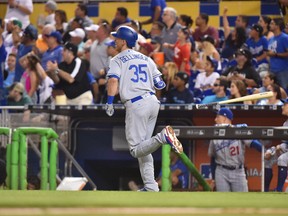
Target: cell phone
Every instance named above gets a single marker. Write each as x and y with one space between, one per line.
235 73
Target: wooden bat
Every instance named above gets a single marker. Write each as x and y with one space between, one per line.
240 99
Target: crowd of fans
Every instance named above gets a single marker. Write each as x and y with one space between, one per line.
205 64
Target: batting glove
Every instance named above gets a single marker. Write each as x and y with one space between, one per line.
109 109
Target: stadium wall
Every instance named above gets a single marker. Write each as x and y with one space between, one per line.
140 10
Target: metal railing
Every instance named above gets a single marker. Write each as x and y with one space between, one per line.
12 118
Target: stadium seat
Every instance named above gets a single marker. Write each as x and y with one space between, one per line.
197 100
198 93
219 68
224 63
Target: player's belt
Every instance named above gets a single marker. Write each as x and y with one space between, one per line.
140 97
230 167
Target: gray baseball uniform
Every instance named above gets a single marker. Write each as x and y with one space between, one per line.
136 73
283 158
229 157
274 157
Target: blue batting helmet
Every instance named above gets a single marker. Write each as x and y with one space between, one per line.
126 33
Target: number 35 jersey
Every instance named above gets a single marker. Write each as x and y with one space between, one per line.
135 72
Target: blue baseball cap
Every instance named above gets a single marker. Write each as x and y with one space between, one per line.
110 43
56 35
31 31
225 112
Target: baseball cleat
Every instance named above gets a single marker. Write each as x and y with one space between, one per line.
172 140
142 190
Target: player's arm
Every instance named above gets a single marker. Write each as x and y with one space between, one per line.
112 87
213 167
211 154
256 145
269 153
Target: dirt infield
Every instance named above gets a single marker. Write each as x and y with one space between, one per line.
142 211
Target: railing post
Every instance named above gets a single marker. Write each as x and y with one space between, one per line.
53 165
7 131
14 160
22 161
166 173
44 163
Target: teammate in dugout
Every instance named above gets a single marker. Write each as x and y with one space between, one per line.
229 157
135 76
279 155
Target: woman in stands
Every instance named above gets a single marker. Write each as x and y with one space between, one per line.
182 49
233 40
35 80
238 89
187 21
275 99
264 21
169 71
268 80
61 21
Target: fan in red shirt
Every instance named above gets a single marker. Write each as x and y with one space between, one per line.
182 50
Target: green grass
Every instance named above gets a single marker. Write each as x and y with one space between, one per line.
226 202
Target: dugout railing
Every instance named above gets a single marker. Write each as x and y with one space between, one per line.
37 131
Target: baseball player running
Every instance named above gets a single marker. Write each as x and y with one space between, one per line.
277 154
136 77
229 157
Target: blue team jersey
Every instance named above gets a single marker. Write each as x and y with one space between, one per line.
257 48
184 177
54 55
278 44
176 97
155 3
19 70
